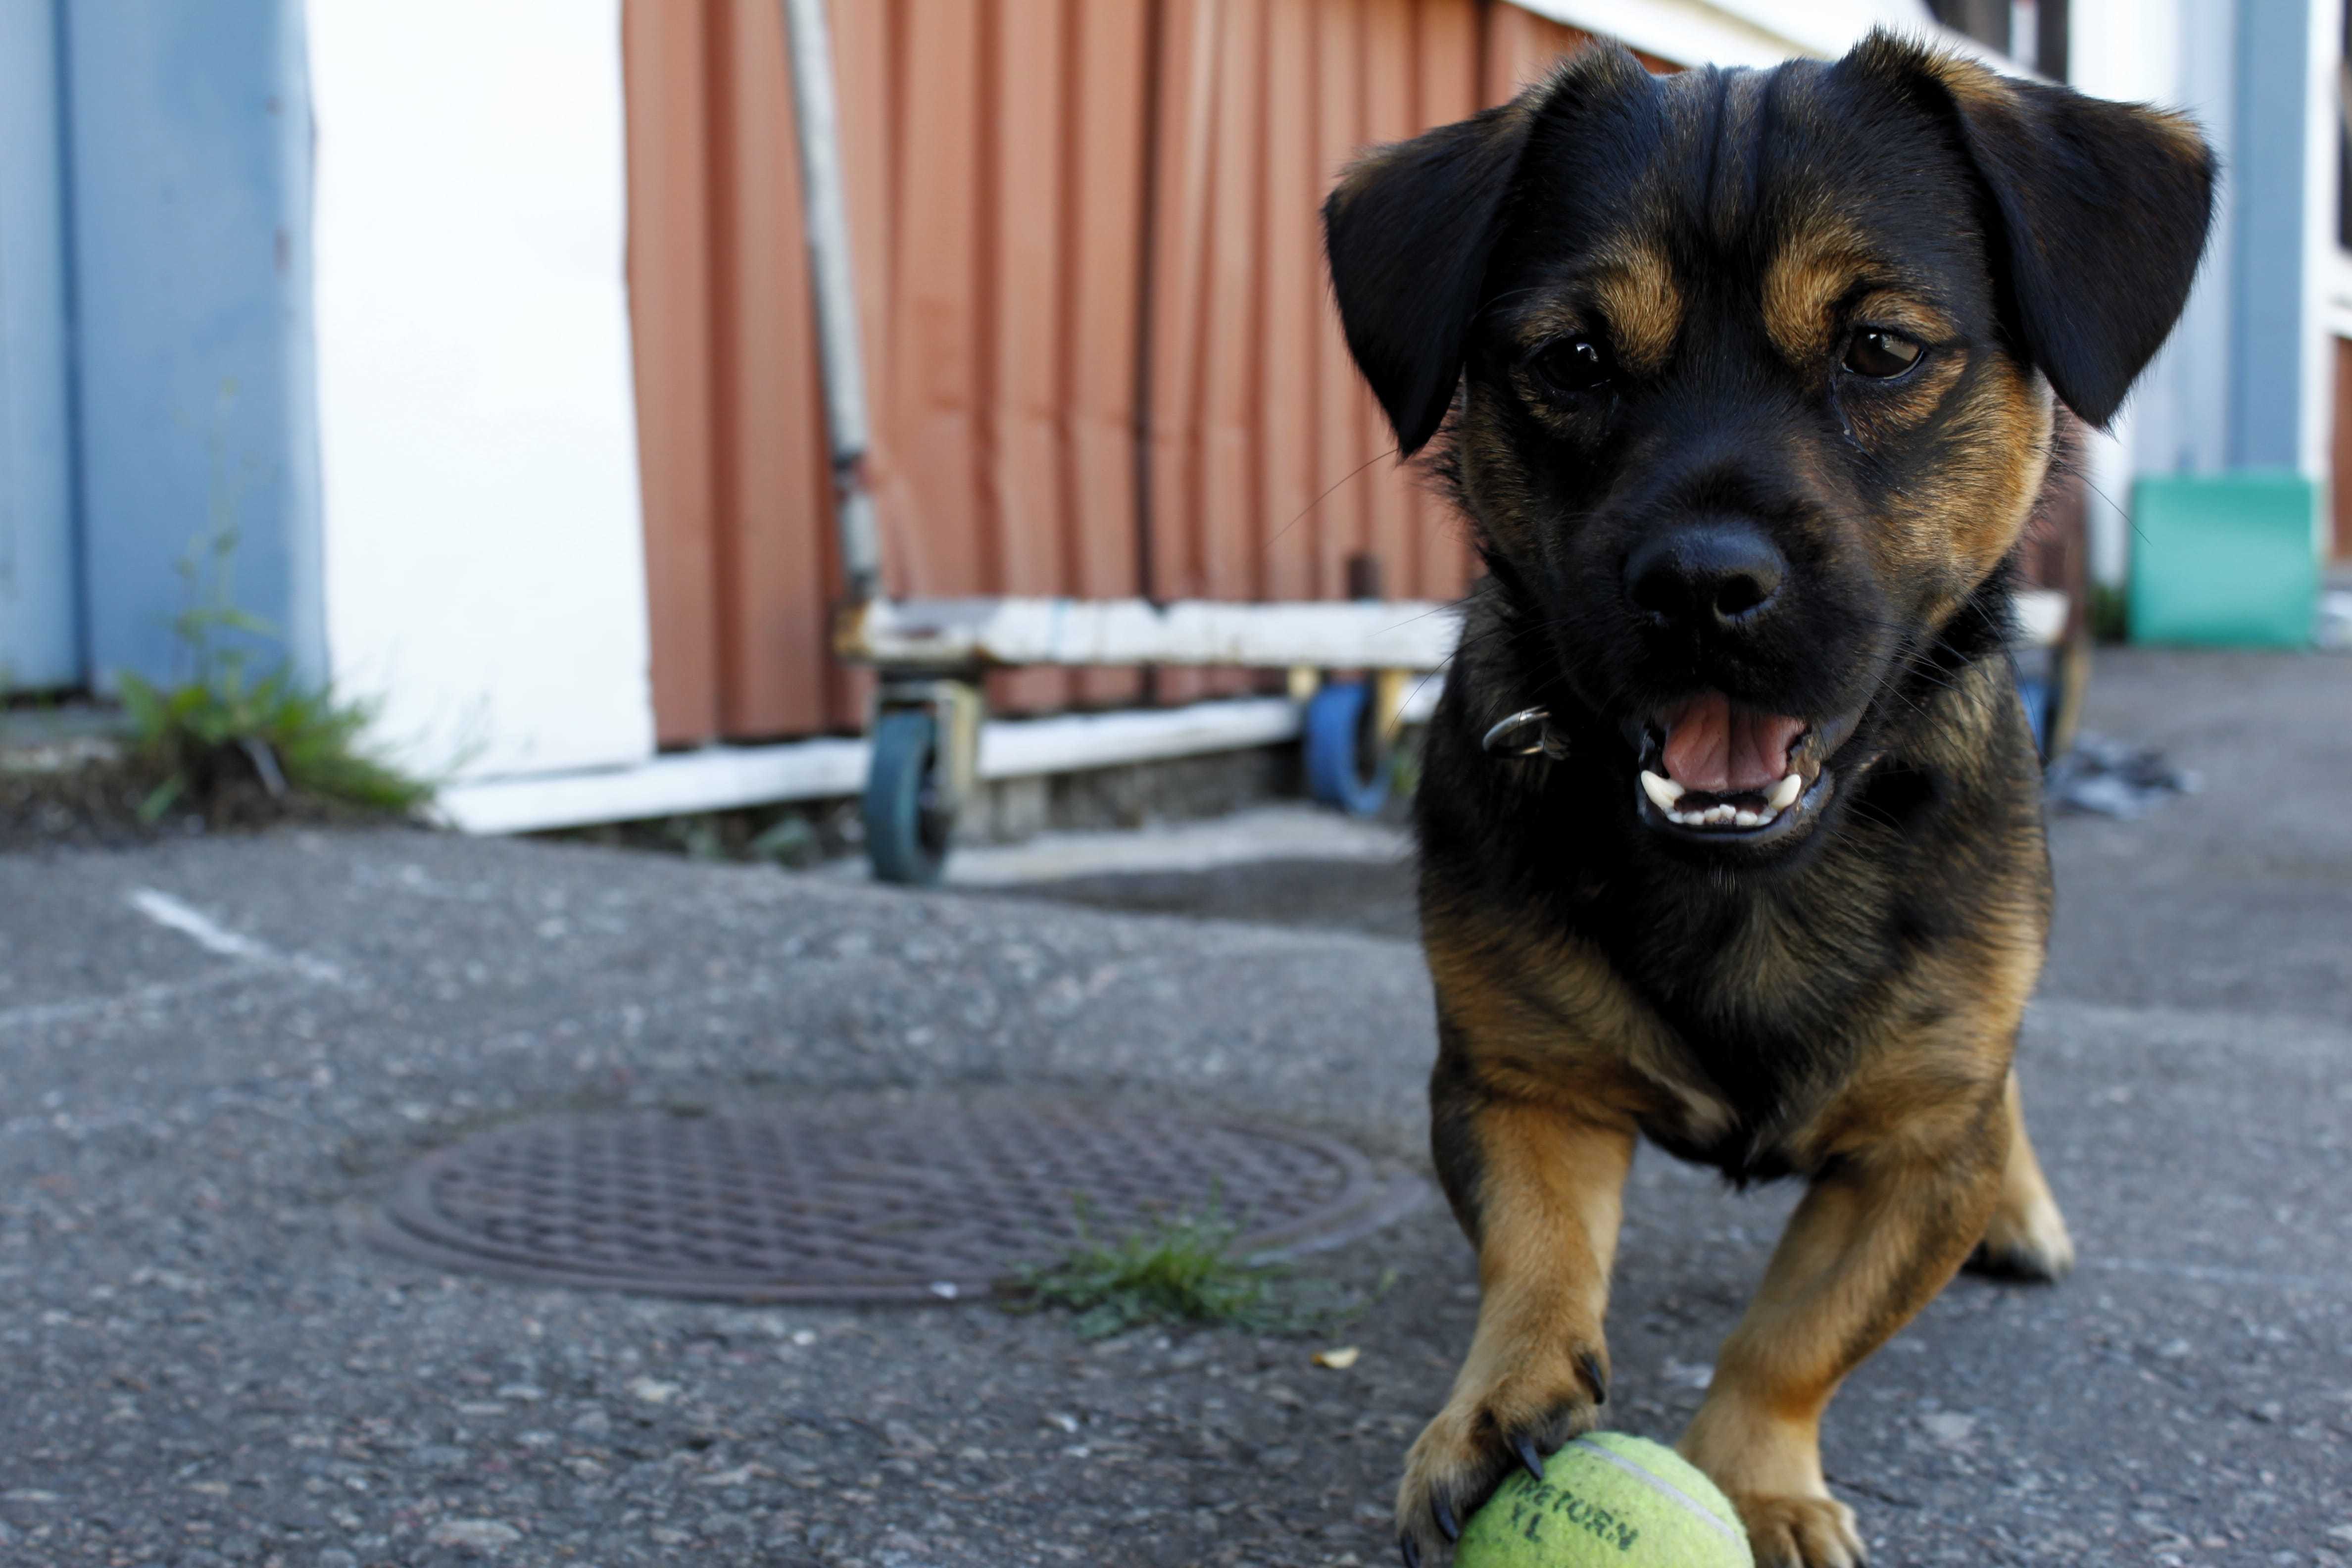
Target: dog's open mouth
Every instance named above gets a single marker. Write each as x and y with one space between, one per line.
1716 768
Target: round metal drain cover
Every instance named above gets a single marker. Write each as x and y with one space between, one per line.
868 1199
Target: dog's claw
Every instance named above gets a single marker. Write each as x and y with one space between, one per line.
1595 1378
1526 1447
1411 1549
1445 1520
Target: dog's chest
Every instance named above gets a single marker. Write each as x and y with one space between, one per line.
1761 1012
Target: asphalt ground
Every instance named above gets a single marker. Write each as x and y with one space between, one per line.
217 1054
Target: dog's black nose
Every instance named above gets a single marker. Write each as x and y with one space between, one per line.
1699 576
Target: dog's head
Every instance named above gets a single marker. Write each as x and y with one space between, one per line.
1750 376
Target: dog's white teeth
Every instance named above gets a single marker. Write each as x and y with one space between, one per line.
1785 792
1668 796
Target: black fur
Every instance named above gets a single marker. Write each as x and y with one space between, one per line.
2082 192
2057 235
1557 844
1407 251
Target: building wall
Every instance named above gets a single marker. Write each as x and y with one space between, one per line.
2248 380
2324 260
1097 337
2264 233
2327 267
40 593
188 184
485 576
2340 451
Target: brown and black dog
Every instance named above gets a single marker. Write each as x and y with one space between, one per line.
1746 384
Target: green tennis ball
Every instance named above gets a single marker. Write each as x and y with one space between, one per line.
1607 1497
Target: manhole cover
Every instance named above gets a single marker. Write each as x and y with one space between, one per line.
863 1200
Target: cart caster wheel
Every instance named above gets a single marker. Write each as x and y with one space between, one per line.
908 819
1346 765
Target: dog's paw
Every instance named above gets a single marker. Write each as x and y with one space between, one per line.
2029 1243
1537 1407
1801 1532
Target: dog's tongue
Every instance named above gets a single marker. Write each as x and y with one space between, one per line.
1722 749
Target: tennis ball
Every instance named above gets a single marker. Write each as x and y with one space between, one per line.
1607 1497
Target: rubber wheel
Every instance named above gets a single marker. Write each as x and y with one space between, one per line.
1346 765
908 824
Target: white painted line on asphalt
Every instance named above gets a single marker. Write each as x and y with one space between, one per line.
166 911
34 1015
2209 1274
212 937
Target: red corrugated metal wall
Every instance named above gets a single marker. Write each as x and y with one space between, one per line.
1100 351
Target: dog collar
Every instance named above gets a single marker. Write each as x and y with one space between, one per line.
1526 733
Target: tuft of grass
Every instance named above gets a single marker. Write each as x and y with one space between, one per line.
234 746
1178 1270
207 735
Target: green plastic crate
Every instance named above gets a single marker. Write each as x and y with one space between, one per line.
2225 560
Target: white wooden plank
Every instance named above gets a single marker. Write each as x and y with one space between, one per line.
946 633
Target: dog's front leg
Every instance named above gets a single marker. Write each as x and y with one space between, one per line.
2027 1239
1538 1182
1884 1227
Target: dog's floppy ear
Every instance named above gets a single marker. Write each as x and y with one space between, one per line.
1407 233
2102 211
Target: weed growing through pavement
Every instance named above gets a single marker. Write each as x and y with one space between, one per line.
287 739
1178 1270
225 728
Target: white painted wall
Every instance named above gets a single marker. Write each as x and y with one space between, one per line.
484 559
1739 32
2134 50
2323 258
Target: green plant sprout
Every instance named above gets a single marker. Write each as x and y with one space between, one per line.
292 738
1174 1269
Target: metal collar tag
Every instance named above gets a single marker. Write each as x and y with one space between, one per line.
1526 733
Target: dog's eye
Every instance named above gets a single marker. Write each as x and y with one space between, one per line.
1881 354
1569 365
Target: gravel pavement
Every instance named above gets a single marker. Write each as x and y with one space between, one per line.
219 1054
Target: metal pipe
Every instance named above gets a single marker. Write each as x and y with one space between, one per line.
834 286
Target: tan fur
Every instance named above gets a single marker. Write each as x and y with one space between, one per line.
1626 293
1805 283
1488 462
1907 1122
2027 1235
1918 1153
1953 531
1635 286
1540 1012
1549 1214
1870 1244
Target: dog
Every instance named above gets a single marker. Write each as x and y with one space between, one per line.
1730 819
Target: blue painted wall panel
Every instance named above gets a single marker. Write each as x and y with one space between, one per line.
40 638
2266 238
190 138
